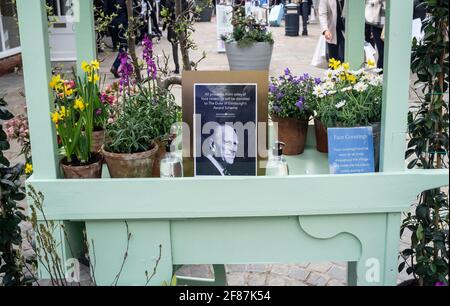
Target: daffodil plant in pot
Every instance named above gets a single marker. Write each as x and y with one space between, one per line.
289 99
143 116
347 98
100 108
74 121
250 45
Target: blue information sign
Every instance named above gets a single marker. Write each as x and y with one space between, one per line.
350 150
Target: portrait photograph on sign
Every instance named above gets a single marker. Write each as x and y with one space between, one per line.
227 143
223 110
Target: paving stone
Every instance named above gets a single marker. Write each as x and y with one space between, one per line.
236 268
337 273
276 280
257 279
280 269
316 279
237 279
335 282
321 267
298 273
202 271
294 282
258 268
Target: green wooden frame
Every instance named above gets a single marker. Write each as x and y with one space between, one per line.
352 218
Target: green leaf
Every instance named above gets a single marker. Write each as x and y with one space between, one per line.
419 232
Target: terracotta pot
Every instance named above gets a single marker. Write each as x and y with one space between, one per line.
321 136
158 156
293 133
130 165
98 139
90 171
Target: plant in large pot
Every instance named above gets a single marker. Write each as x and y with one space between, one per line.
74 121
250 45
204 10
348 98
289 98
142 118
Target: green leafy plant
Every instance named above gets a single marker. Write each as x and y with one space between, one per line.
11 214
348 98
142 118
144 112
290 96
247 30
426 259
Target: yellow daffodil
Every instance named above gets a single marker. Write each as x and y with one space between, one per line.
95 65
28 168
79 104
93 78
346 66
334 64
68 91
63 113
351 78
85 66
56 81
371 63
55 117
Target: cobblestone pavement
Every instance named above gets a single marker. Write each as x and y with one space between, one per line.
293 52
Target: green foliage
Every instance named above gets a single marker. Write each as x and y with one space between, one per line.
246 30
142 118
11 215
427 257
290 96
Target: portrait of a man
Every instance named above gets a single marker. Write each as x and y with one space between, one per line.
223 146
225 140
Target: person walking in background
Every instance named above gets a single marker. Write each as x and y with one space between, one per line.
305 9
315 4
375 19
118 28
332 23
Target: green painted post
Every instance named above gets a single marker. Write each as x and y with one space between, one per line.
396 84
37 72
85 32
354 33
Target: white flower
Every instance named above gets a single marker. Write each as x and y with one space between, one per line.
328 86
361 86
345 89
318 91
341 104
331 92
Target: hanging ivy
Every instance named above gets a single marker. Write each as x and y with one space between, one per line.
427 257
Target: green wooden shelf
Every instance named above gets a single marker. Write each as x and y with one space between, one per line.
307 216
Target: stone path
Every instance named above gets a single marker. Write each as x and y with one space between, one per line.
292 52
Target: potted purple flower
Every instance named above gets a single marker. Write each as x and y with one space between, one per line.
289 98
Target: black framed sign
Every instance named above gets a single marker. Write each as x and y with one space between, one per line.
225 113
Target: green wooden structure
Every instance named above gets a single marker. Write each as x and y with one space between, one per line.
308 216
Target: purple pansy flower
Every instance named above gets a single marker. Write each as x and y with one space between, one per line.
98 112
280 95
287 71
317 81
300 103
272 88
